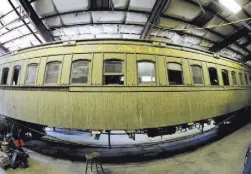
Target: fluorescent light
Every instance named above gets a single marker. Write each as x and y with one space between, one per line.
231 5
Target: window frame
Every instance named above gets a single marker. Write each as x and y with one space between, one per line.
203 80
235 78
246 78
241 79
26 74
182 74
123 73
225 70
89 72
1 80
155 72
213 67
59 73
19 74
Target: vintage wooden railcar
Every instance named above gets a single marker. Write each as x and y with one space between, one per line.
120 84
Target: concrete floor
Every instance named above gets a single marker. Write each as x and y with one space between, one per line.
222 157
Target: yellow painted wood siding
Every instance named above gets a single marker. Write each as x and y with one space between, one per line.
129 106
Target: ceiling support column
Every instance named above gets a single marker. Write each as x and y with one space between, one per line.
153 19
45 33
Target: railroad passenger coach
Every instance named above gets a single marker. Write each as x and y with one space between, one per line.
120 84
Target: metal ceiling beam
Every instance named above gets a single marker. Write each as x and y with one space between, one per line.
235 36
246 58
214 32
25 23
45 33
214 6
153 19
230 39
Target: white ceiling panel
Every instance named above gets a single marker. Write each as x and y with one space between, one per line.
14 25
161 39
202 2
183 9
23 30
120 4
108 35
3 30
109 28
196 32
9 18
84 29
96 29
63 38
9 44
225 13
248 8
130 36
242 2
141 5
131 29
242 40
200 47
10 35
71 31
5 7
205 43
76 18
44 7
83 36
233 18
71 5
212 37
53 21
108 17
193 40
91 29
214 21
136 18
58 32
224 30
170 23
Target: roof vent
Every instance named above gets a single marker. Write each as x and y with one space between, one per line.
69 43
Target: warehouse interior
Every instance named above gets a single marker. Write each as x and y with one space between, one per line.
218 31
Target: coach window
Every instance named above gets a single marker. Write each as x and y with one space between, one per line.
234 78
174 73
80 71
16 72
52 72
31 74
213 76
246 78
113 72
5 73
225 77
146 72
241 78
197 74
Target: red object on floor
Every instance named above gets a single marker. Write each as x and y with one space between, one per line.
19 143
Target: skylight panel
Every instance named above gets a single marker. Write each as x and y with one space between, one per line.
231 5
5 7
9 18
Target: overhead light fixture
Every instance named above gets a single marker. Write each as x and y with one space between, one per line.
231 5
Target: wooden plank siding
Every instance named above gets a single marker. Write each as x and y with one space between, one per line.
129 106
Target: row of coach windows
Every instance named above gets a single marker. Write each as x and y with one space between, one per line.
113 73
